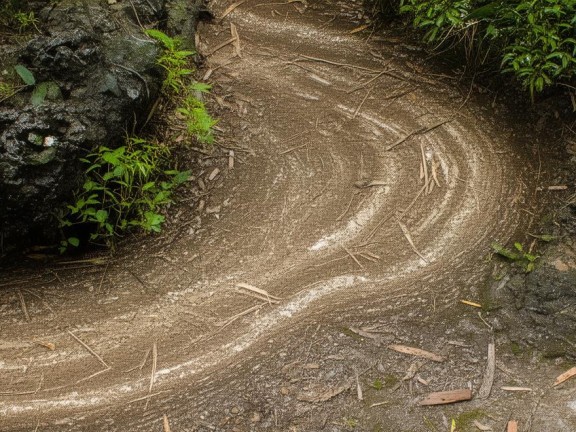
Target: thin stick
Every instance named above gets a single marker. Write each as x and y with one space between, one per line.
148 396
257 290
419 131
231 8
434 171
353 257
321 60
345 211
361 103
90 350
409 238
367 82
407 209
486 386
241 314
153 372
222 45
292 149
23 304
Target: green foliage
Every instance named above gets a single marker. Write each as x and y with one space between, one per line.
26 20
25 74
377 384
533 39
125 188
198 121
525 259
173 60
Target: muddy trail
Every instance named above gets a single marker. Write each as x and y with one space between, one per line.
364 197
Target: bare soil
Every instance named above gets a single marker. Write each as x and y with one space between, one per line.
352 252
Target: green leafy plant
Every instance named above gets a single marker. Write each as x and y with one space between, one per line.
525 259
377 384
532 39
125 188
26 20
174 60
187 92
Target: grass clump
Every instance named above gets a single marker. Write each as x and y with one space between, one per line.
190 107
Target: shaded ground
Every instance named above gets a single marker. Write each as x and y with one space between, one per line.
318 212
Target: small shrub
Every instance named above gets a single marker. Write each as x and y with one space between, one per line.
124 188
532 39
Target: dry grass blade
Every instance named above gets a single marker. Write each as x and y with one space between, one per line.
240 315
361 103
153 372
23 304
262 294
447 397
416 352
565 376
222 45
236 37
231 8
488 380
409 239
470 303
353 257
518 389
90 350
359 389
321 60
425 167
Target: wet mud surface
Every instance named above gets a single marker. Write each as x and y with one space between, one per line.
359 212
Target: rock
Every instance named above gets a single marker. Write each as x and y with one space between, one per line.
95 73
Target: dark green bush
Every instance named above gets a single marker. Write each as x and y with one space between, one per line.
533 39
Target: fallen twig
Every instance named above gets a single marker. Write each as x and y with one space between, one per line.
153 372
23 304
409 238
231 8
447 397
261 294
417 352
419 131
486 386
90 350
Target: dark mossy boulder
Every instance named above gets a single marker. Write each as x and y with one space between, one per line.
95 76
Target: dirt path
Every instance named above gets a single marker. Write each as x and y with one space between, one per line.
354 249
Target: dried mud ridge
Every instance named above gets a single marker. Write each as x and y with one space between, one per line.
363 193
